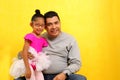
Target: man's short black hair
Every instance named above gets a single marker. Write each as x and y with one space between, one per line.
50 14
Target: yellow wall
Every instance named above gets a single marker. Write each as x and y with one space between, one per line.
94 23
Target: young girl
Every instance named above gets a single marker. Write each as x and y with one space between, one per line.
33 44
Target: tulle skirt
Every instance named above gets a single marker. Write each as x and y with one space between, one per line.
41 62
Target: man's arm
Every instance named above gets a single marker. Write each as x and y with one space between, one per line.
74 61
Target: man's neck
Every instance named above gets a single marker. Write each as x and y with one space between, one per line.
53 37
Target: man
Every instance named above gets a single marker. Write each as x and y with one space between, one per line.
62 50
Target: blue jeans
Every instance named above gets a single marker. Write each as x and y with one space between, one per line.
51 76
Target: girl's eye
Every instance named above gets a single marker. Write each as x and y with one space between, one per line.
37 25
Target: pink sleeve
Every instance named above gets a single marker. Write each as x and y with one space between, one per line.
29 37
45 43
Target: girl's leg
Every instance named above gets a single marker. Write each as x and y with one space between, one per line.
39 75
32 74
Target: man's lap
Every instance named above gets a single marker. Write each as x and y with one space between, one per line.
51 76
20 78
70 77
76 77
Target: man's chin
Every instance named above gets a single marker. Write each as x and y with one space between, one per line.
54 35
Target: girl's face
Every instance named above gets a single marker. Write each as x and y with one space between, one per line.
38 25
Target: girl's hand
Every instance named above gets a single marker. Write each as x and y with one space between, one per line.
28 73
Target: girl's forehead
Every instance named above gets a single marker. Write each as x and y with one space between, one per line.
39 18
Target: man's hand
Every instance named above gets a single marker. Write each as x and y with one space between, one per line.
60 76
30 56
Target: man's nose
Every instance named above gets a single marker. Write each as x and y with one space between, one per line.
53 26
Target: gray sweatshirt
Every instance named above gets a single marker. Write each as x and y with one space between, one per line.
64 54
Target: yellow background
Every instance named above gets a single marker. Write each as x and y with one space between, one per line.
94 23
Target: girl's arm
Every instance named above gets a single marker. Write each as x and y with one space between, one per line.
25 58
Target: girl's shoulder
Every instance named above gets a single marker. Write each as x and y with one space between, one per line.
30 36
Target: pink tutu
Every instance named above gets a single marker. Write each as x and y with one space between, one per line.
41 62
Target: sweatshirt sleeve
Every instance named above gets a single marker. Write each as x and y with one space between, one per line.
74 61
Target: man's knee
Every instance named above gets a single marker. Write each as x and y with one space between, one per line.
20 78
76 77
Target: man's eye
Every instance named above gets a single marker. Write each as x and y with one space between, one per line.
56 22
49 24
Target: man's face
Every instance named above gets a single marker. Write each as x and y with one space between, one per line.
53 26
